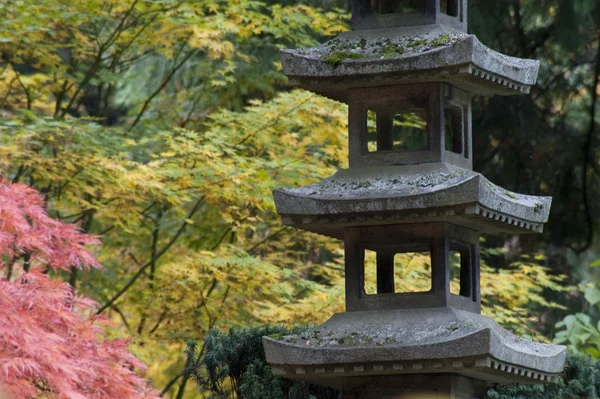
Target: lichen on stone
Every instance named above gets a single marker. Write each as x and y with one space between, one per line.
339 338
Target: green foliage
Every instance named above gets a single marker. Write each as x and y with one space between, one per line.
581 380
579 334
581 331
234 366
515 295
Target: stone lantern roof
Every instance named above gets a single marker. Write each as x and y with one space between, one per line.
407 54
432 192
405 342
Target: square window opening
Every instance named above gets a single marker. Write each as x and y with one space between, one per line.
397 131
461 268
413 272
396 6
449 7
454 129
397 273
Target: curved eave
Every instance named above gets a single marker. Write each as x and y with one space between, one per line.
464 62
410 194
439 340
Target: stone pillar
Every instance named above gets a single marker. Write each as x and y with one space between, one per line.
385 273
385 131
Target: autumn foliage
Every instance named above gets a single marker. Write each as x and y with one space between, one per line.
49 346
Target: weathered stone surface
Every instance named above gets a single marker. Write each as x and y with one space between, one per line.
429 53
410 193
436 340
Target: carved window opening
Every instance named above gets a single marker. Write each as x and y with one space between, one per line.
460 260
454 129
450 7
397 273
397 131
396 6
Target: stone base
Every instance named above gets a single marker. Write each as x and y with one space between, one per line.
418 386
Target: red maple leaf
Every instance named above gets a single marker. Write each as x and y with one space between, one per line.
50 346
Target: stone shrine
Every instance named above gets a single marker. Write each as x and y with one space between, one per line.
408 71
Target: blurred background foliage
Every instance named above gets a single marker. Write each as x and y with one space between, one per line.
162 127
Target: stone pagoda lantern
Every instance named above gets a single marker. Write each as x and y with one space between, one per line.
408 71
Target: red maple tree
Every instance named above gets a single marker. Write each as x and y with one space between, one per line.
50 345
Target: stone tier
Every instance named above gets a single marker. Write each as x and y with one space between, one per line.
410 342
431 53
434 192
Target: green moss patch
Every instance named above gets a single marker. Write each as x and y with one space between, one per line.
416 43
392 49
340 56
441 41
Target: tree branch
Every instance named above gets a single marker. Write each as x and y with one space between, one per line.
276 121
161 87
170 384
25 89
98 59
161 318
8 92
149 263
281 230
153 252
588 154
221 239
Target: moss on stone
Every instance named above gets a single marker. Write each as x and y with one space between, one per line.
355 339
441 41
340 56
416 43
392 49
339 50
